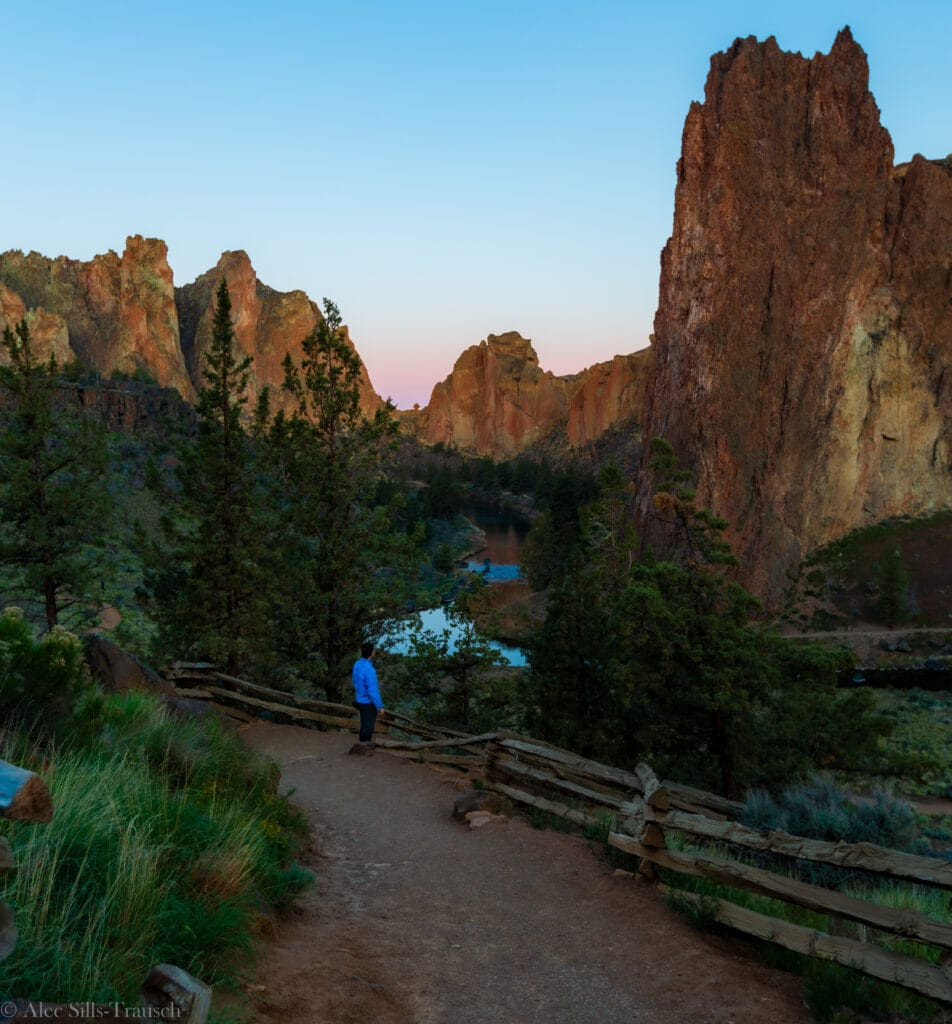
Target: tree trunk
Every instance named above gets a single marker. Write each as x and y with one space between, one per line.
721 744
49 598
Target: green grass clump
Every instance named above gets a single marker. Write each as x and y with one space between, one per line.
168 844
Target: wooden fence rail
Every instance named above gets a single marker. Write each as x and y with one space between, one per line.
643 812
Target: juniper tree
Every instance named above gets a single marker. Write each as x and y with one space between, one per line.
343 563
209 584
660 659
55 508
892 579
452 670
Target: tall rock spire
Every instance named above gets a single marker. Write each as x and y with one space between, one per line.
804 323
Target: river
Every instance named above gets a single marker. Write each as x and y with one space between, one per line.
499 561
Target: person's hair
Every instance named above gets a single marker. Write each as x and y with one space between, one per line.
366 649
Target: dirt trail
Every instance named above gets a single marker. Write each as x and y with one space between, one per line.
415 919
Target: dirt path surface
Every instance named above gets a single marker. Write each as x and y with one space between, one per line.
416 919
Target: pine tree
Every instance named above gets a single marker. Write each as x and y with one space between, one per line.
892 578
209 586
55 508
659 660
344 565
451 669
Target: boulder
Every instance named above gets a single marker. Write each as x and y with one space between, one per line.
118 671
474 800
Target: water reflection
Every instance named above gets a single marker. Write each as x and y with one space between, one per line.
505 535
497 562
435 619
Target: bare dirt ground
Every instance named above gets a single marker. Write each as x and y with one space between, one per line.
868 641
416 919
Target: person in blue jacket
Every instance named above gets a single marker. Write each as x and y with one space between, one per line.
366 692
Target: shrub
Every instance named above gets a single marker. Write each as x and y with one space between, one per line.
818 809
43 677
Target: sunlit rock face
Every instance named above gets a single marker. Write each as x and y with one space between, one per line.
804 326
268 325
49 335
606 394
119 312
124 313
496 401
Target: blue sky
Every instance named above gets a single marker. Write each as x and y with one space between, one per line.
442 171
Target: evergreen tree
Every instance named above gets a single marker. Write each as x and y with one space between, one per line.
556 530
452 668
344 564
209 587
659 660
567 689
54 504
569 685
892 578
693 536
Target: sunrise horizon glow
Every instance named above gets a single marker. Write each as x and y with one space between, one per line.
442 173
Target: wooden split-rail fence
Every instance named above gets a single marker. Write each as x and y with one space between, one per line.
168 993
641 814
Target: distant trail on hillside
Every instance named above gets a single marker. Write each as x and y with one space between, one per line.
416 919
822 633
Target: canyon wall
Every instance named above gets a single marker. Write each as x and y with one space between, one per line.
124 313
268 325
119 311
607 394
804 325
497 401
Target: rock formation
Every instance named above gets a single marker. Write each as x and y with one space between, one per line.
607 394
124 314
119 312
496 401
804 326
49 335
268 325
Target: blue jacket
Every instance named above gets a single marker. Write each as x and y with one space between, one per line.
365 683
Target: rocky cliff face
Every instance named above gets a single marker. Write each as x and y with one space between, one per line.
607 394
124 313
496 401
804 327
49 335
119 312
268 325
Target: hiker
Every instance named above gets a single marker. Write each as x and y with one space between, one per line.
366 692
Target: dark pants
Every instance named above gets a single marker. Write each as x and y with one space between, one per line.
368 719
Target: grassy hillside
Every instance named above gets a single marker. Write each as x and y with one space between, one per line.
842 583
